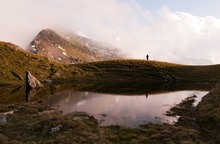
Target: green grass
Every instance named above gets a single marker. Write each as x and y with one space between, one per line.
208 114
142 70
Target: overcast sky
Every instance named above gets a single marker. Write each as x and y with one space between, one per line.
186 32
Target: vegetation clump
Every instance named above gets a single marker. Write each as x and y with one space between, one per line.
32 122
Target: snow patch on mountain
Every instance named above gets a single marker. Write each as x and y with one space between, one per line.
68 37
51 55
64 53
34 49
61 48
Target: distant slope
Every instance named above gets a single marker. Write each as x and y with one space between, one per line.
143 70
70 48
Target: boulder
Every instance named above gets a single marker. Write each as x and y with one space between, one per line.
30 93
3 119
56 129
32 82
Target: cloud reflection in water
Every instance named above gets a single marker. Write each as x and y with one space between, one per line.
122 109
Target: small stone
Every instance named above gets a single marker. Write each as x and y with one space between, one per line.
3 119
56 129
80 117
49 81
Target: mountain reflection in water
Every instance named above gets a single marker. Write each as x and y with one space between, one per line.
127 110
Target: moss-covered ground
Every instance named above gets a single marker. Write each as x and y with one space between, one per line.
33 122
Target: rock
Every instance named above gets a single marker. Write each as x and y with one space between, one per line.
77 118
80 117
56 129
58 73
30 93
3 119
8 113
32 82
32 86
49 81
55 74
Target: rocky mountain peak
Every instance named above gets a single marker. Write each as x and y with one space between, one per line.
48 35
70 48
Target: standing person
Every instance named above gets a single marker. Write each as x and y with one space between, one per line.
147 57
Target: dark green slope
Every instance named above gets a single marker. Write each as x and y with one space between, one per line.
142 70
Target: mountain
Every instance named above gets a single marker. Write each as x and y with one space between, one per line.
71 48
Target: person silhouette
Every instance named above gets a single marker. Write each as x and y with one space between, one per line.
147 57
146 95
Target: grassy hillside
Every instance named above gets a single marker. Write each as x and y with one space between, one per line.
14 62
142 70
209 114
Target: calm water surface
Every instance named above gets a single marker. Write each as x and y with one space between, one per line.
127 110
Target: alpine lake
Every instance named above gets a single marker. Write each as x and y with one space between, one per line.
129 105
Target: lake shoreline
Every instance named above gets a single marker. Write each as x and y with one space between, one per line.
40 119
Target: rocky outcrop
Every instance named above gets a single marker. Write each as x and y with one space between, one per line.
32 82
32 85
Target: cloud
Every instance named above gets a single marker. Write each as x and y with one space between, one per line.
167 36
